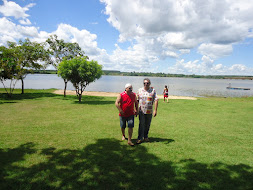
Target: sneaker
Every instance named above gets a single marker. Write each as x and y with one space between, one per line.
146 140
139 142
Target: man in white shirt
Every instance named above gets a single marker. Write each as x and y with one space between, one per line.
147 97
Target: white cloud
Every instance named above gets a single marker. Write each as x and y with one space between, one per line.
157 30
10 8
215 50
183 24
134 58
25 22
207 67
84 38
189 67
238 68
207 62
185 51
11 32
8 31
27 31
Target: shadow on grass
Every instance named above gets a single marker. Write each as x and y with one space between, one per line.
107 164
91 100
166 141
95 102
35 95
5 102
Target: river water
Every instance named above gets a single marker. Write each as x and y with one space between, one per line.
177 86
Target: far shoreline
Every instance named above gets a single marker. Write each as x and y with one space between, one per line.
149 74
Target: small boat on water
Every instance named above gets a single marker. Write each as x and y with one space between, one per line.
236 88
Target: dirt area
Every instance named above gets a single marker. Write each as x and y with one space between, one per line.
112 94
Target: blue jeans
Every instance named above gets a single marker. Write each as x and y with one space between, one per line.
129 120
144 125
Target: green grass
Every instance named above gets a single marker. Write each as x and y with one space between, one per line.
51 142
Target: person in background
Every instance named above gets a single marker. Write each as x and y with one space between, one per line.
127 105
147 97
165 93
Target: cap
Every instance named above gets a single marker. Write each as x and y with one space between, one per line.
127 85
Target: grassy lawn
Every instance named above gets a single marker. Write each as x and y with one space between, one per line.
51 142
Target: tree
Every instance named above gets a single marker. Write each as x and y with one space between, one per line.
29 56
8 68
60 50
17 60
80 72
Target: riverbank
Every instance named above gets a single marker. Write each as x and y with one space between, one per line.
112 94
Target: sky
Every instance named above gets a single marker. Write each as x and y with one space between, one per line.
203 37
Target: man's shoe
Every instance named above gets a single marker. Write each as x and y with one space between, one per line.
139 142
146 140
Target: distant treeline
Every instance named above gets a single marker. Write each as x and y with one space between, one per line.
149 74
44 72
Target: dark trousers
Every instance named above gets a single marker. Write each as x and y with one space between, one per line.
144 125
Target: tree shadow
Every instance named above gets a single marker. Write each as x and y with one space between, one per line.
6 102
8 157
166 141
36 95
107 164
88 100
92 100
98 102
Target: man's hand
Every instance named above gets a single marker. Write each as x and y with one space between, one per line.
154 113
121 112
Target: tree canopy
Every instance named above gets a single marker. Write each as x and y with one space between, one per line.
80 72
17 60
8 68
61 50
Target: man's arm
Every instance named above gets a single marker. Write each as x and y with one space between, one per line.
117 104
155 110
136 106
156 104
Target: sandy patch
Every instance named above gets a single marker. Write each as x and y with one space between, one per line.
112 94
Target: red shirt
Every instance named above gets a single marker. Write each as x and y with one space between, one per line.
127 104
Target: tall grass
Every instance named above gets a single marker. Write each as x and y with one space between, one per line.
51 142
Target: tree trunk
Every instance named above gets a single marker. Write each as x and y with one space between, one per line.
65 87
22 81
80 98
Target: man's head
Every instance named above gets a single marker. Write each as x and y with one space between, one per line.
146 83
128 88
